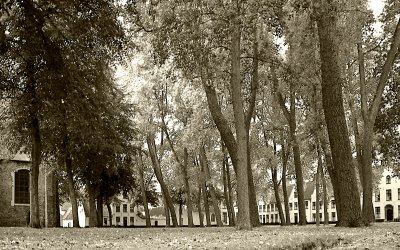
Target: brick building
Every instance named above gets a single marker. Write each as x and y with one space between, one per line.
15 196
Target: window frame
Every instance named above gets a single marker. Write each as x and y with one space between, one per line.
13 203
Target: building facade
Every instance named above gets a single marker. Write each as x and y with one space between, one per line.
15 194
386 203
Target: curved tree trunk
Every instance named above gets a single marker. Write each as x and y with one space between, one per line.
277 197
332 99
143 189
110 216
159 176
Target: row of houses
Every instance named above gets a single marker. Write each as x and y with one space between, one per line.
15 203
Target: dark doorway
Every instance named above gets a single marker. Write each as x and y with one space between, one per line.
125 221
296 219
389 212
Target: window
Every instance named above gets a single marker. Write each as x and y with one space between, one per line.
260 208
268 208
21 187
313 205
131 221
290 206
313 216
276 218
272 207
377 195
295 205
105 221
333 204
260 218
306 204
125 208
320 204
388 179
267 218
388 194
295 194
225 217
398 196
377 210
118 219
117 208
264 207
320 216
212 217
333 216
132 208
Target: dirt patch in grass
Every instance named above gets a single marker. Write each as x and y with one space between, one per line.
378 236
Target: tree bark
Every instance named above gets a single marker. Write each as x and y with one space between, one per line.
187 188
110 216
324 189
215 203
201 218
332 100
71 191
243 200
317 191
92 205
157 170
99 210
285 158
232 219
205 194
34 173
143 189
277 197
167 214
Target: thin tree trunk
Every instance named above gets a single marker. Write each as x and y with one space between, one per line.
187 188
324 189
143 189
226 194
157 170
201 218
167 214
277 197
180 213
71 191
332 99
215 203
110 216
317 192
205 196
232 221
57 204
285 158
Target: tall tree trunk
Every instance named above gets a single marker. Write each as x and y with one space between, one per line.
167 213
110 215
187 188
215 203
290 116
277 197
226 193
201 218
324 189
99 209
205 196
232 219
143 189
285 158
34 173
157 170
317 192
71 191
244 218
332 100
92 205
180 213
57 204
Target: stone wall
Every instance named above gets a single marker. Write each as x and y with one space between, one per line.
17 215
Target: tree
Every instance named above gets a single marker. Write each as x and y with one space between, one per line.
332 99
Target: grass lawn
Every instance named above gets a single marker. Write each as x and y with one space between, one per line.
378 236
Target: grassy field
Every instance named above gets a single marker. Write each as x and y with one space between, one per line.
378 236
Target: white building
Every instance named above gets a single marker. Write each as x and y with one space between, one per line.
386 203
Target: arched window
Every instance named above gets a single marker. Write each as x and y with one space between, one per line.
21 187
388 179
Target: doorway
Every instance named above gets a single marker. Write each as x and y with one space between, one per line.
389 213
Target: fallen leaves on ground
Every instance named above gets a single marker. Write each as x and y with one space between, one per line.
377 236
